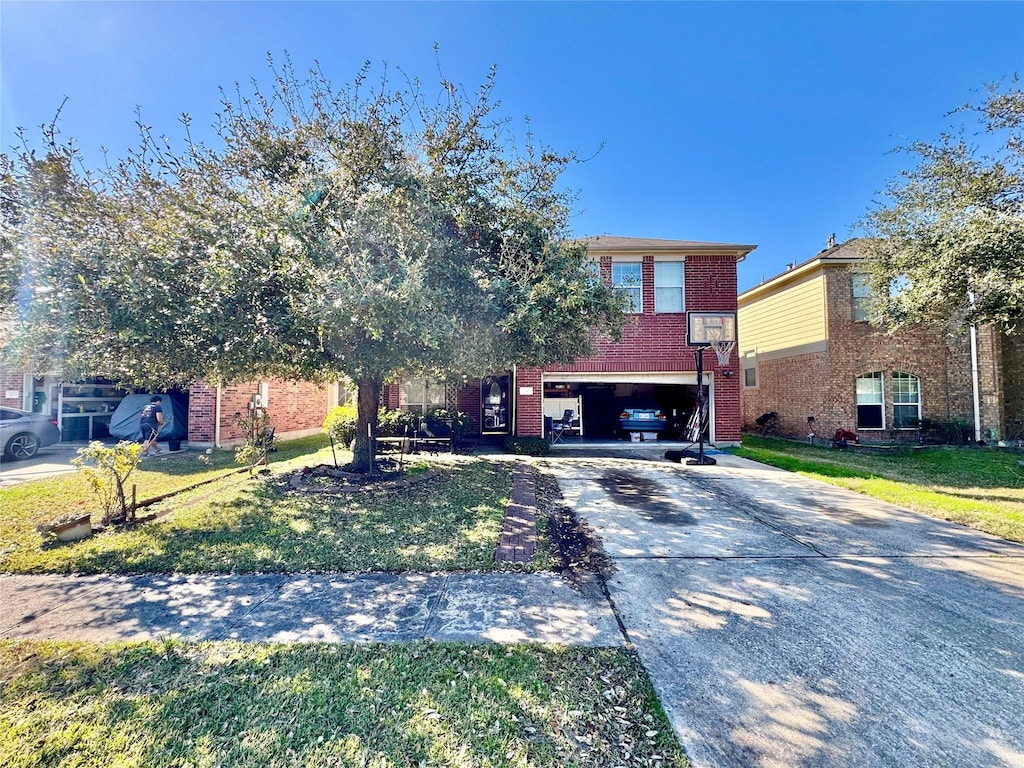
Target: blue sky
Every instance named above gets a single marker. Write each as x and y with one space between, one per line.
763 123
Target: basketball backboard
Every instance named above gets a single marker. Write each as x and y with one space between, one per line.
704 327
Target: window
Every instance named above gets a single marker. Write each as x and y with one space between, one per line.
906 400
861 297
750 377
626 277
668 286
869 402
421 395
345 393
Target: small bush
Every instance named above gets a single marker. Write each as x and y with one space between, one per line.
527 446
394 423
107 470
340 425
259 438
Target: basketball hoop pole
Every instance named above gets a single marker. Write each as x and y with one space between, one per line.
701 458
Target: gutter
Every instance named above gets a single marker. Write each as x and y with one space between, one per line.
216 420
975 383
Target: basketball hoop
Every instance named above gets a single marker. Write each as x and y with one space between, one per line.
723 350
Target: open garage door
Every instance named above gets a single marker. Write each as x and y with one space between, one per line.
657 405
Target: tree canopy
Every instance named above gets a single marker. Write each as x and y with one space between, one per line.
366 232
950 231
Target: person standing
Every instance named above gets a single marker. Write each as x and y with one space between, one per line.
150 420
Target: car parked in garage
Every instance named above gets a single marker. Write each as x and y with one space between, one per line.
643 420
23 433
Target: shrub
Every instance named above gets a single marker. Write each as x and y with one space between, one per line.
107 470
393 423
259 438
527 446
340 424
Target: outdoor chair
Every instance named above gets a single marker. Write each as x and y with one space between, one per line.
559 428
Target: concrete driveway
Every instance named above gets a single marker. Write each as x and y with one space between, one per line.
789 623
51 460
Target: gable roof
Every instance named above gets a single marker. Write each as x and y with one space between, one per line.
849 252
610 244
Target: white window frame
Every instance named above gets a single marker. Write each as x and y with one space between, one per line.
665 287
421 395
904 396
632 287
861 288
752 369
871 398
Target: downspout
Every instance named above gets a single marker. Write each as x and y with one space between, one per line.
513 398
216 420
975 385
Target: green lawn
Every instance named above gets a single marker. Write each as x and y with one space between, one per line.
981 488
451 521
385 706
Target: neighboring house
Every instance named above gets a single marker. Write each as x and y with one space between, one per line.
807 350
650 368
84 408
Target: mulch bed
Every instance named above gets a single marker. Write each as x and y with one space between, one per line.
578 550
324 478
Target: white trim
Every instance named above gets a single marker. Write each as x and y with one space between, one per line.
216 420
686 378
975 381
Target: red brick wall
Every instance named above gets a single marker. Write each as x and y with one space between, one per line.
295 409
1011 351
657 342
529 417
13 381
796 387
202 409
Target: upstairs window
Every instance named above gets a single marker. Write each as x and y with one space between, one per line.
870 402
627 277
861 297
906 400
668 286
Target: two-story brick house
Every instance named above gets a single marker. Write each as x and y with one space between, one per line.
807 350
651 367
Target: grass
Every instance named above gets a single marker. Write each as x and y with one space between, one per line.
49 498
422 704
980 488
451 521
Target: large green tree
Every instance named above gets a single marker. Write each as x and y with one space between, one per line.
949 233
367 232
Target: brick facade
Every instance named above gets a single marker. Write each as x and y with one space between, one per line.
822 383
12 382
295 409
652 342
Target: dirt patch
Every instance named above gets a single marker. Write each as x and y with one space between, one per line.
576 549
323 478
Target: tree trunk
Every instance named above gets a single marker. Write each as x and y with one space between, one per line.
367 402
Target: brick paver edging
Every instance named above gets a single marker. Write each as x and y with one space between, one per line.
519 532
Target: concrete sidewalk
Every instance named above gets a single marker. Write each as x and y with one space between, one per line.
338 608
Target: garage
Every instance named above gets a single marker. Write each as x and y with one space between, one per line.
592 404
84 409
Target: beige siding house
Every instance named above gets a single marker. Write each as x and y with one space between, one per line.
807 351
